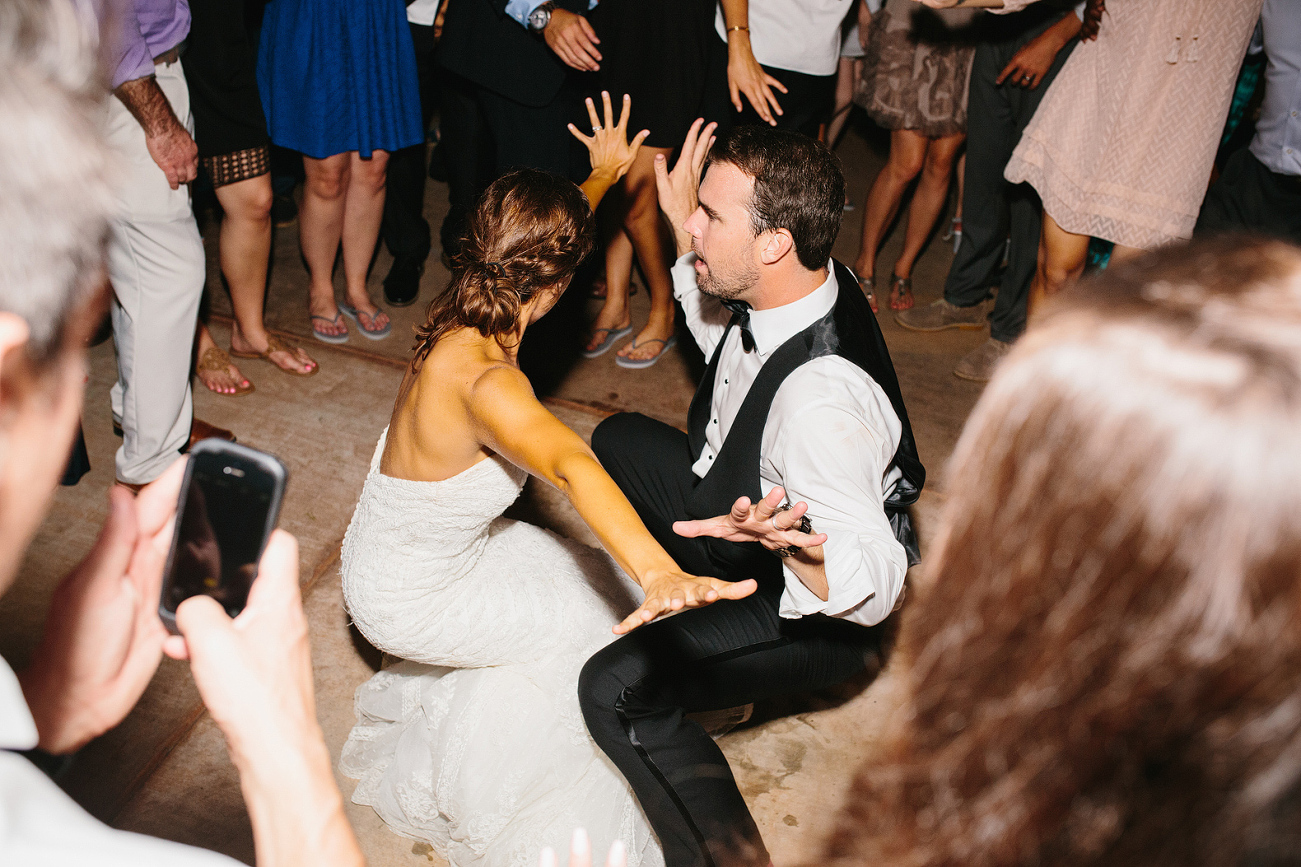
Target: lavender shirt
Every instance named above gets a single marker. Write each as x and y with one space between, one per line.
141 30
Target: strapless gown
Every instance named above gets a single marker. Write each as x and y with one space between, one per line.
474 741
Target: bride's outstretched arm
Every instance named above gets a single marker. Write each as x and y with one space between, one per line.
608 147
509 420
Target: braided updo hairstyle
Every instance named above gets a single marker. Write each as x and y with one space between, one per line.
528 232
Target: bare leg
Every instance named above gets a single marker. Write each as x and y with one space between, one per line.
1121 253
320 227
226 380
1061 261
928 201
907 155
362 214
614 314
245 251
650 239
846 75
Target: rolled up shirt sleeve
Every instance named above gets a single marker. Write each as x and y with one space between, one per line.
127 51
833 437
706 317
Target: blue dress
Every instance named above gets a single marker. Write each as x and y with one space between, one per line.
339 75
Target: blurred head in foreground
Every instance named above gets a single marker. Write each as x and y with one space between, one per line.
1106 665
55 202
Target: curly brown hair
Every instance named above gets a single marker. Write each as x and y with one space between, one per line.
528 232
1106 668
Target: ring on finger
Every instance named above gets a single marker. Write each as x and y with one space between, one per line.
596 127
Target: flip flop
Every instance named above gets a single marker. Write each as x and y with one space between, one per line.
611 335
275 344
643 363
325 337
214 360
372 332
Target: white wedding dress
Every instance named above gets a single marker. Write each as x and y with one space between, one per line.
474 742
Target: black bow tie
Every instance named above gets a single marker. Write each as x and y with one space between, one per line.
741 312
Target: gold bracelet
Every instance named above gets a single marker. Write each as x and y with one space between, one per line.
738 27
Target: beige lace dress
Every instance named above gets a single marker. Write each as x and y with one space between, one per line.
1122 145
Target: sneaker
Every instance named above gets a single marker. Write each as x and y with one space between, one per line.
978 365
941 315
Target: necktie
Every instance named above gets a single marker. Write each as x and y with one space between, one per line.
742 311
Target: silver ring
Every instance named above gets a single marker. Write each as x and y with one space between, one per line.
597 128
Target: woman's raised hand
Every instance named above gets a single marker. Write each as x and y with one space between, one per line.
669 591
608 147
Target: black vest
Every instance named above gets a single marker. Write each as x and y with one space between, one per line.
849 331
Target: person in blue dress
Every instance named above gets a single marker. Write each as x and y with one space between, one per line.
338 84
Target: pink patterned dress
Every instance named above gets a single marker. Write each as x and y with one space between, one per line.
1122 145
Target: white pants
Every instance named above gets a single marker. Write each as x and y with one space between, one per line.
156 265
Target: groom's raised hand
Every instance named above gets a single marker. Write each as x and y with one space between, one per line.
678 188
670 591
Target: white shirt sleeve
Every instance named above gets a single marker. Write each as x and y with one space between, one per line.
706 317
40 825
829 440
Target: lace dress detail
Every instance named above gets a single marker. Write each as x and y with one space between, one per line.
474 741
1122 145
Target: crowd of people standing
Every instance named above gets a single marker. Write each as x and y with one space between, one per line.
1105 666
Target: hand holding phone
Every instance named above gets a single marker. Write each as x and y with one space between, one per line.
229 502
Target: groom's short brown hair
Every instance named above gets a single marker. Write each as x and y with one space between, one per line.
798 186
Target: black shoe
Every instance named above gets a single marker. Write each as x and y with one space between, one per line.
284 210
402 284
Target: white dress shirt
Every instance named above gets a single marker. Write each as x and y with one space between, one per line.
829 440
423 12
799 35
40 826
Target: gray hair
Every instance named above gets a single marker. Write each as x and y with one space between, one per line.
56 194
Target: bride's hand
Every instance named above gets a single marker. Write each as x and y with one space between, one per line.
580 853
608 147
670 591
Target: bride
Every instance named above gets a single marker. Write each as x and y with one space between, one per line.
474 742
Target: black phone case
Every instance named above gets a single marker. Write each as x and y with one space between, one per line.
267 464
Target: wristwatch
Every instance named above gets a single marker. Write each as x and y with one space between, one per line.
803 525
540 17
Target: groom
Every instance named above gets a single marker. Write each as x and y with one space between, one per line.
800 403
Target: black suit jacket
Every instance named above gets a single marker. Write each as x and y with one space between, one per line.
483 44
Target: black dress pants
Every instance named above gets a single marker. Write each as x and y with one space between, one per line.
1248 197
997 114
405 229
635 693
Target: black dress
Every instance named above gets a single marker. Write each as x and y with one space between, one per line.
657 51
221 68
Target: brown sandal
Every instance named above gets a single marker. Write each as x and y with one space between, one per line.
216 361
275 344
901 288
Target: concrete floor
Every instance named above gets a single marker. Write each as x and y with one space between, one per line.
164 771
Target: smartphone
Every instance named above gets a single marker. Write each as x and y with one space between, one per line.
229 503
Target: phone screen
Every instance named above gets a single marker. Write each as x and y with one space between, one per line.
221 531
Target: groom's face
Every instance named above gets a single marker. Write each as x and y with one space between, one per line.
722 235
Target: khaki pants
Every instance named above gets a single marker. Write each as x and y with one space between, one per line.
156 267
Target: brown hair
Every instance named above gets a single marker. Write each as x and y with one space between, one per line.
798 186
528 232
1106 666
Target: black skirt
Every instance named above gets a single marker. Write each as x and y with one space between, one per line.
658 52
221 68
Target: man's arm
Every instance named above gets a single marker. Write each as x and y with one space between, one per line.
169 142
829 439
568 34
